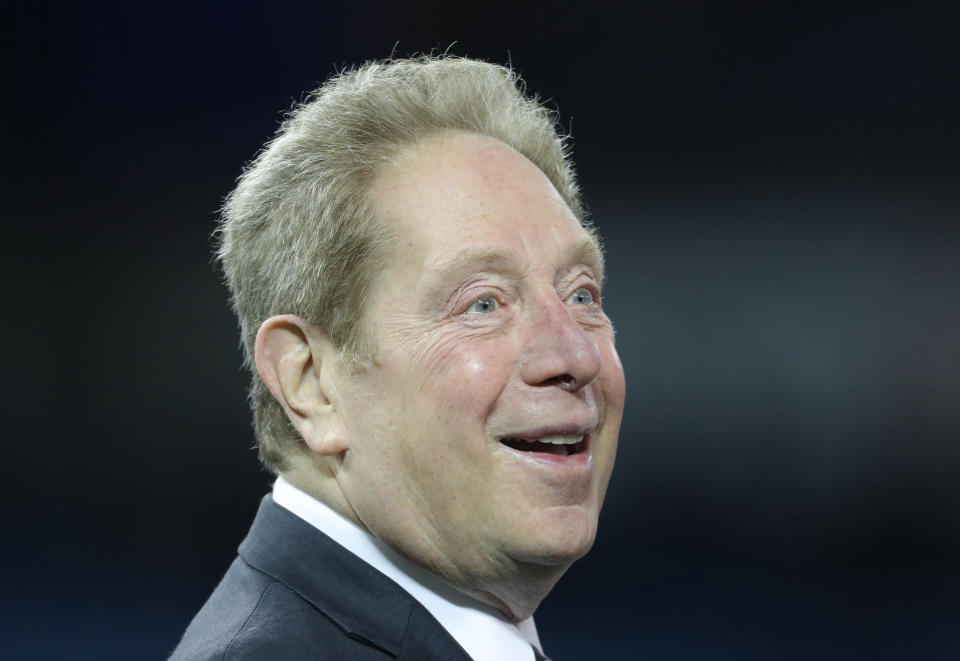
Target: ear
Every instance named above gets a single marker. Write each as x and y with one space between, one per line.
296 362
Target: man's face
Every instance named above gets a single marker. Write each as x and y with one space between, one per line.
483 435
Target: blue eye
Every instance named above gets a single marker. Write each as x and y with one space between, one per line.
483 304
582 296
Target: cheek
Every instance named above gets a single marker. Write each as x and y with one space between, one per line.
463 376
611 375
613 388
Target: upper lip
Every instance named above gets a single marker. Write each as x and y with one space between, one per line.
581 429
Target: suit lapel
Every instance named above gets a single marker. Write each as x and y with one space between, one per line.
361 600
428 640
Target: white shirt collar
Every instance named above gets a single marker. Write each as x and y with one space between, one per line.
482 631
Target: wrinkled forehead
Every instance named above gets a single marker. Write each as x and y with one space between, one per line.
479 186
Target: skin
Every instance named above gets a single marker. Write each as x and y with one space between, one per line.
488 325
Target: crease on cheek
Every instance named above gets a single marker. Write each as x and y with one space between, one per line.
458 370
435 357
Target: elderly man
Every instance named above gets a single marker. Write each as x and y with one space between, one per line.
435 382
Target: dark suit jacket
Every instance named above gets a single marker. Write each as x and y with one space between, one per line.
293 593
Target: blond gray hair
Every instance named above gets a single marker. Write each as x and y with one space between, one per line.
298 235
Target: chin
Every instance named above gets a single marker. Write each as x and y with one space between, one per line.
559 541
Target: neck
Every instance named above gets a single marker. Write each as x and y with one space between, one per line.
314 476
513 588
518 596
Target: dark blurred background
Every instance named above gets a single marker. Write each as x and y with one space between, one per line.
778 191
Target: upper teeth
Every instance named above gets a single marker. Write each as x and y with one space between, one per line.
561 439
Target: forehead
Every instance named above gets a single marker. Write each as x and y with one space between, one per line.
458 191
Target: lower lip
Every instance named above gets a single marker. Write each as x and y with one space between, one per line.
580 459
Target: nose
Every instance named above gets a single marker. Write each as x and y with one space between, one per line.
558 350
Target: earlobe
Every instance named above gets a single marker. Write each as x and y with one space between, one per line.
295 362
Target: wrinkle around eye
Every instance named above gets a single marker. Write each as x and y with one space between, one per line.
577 279
591 316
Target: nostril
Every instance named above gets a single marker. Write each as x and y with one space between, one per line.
565 381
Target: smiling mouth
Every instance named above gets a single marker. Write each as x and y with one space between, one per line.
561 445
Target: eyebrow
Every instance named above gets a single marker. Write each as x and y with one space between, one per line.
588 252
469 259
585 251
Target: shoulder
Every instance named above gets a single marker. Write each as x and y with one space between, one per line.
252 616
